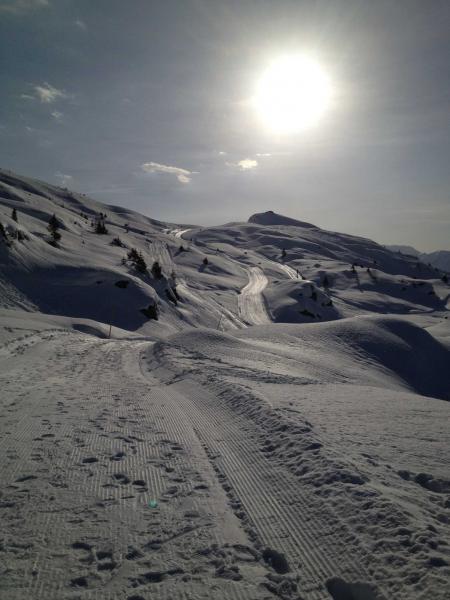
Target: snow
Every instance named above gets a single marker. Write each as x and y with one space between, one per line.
281 431
251 303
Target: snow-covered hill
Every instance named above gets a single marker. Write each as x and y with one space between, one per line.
280 430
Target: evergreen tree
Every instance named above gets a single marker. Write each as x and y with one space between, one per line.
283 253
138 260
205 261
100 226
14 215
117 242
156 270
53 226
325 282
151 312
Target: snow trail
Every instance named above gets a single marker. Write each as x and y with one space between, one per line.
178 233
250 301
290 272
81 474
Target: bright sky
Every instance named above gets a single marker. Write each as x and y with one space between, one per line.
186 111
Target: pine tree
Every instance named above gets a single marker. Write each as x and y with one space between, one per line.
14 215
138 260
205 261
117 242
151 312
53 226
100 226
156 270
325 282
283 253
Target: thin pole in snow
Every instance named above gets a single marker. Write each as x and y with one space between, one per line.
110 323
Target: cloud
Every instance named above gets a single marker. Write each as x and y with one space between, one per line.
245 164
81 25
57 115
18 7
47 93
183 175
64 178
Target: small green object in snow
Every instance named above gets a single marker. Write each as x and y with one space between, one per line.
153 504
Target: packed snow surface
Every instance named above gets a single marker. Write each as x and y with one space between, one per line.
263 415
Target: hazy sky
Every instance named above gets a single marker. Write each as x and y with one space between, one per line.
145 104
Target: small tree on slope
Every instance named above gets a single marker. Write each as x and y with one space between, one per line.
138 260
53 226
156 270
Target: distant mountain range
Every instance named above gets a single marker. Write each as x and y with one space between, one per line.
439 258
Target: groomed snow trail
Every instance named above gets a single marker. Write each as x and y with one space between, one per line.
290 272
178 233
85 448
250 301
86 442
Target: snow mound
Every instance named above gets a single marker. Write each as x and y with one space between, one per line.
388 349
299 301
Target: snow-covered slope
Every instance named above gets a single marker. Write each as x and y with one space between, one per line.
280 431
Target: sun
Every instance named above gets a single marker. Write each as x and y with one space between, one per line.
292 94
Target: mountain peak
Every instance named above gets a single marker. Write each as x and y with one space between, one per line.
272 218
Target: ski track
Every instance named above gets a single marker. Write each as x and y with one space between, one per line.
289 271
96 515
274 509
251 305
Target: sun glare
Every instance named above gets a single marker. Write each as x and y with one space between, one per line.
292 94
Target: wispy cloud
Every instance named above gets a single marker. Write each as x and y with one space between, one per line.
48 93
58 116
183 175
245 164
81 25
64 179
18 7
